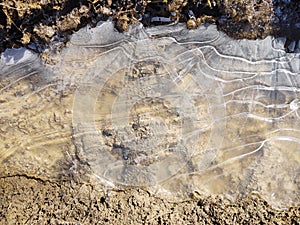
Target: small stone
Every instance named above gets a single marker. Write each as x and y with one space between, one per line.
191 24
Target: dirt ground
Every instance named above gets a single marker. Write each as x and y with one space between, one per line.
35 23
27 200
29 195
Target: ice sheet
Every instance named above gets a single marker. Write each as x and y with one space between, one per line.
170 109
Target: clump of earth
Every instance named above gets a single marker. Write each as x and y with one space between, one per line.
40 22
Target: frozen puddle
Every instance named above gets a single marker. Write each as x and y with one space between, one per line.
174 110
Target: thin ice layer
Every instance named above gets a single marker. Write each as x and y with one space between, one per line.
174 110
190 110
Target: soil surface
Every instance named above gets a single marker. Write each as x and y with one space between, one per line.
69 198
26 200
34 23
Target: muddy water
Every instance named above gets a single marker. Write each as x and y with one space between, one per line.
168 109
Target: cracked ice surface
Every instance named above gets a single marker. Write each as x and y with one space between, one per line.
180 111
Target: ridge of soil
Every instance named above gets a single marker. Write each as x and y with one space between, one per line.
23 23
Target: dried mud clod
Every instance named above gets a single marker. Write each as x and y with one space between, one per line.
246 19
257 19
40 22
